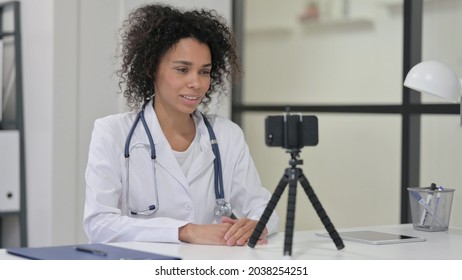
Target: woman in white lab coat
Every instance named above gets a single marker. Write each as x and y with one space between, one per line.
172 61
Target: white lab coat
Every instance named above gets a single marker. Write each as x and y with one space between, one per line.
181 199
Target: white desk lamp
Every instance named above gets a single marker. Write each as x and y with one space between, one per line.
435 78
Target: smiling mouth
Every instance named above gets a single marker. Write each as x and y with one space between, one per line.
192 98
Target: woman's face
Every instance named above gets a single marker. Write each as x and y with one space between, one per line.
183 77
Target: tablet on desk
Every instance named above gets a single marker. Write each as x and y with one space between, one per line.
375 237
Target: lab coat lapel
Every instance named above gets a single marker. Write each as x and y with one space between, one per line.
205 158
164 155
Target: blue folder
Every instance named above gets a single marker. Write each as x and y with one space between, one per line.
86 252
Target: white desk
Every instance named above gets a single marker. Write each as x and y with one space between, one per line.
306 245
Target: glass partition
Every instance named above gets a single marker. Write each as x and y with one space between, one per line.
329 53
322 52
441 135
442 24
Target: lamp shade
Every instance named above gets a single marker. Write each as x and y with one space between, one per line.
435 78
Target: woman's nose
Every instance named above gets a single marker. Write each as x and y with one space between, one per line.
194 81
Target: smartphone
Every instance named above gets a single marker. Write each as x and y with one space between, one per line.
292 131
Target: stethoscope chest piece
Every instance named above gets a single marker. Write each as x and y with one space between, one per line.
223 208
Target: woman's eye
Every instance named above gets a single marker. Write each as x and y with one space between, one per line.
205 72
182 70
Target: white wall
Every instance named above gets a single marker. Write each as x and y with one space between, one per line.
51 64
37 42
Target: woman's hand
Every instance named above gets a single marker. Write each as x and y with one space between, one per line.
230 232
241 231
212 234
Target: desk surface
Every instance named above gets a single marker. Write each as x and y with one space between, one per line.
306 245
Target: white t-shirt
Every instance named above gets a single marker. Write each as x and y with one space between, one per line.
186 158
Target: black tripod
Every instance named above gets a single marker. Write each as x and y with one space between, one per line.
291 176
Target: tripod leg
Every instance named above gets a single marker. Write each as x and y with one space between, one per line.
268 210
320 211
290 217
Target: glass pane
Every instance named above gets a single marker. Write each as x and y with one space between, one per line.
354 170
322 52
441 158
441 152
442 26
7 70
8 82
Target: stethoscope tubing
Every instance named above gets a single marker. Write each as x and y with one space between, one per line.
218 175
139 117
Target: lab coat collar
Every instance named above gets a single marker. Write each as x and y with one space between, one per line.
205 159
164 155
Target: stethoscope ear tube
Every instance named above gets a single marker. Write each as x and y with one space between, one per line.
151 141
139 117
129 137
151 208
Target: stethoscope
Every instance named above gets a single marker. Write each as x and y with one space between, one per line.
222 208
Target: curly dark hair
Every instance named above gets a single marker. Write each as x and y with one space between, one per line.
151 30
